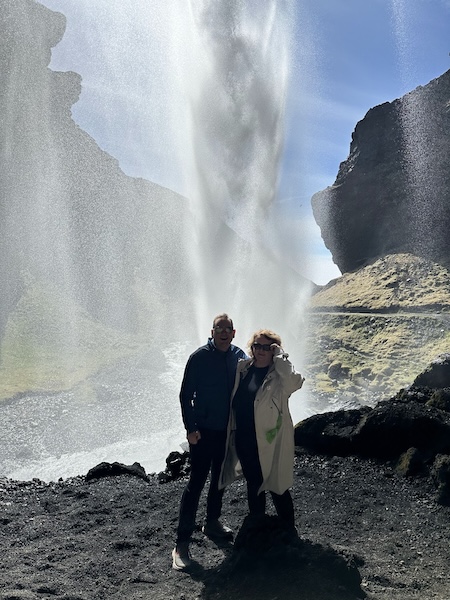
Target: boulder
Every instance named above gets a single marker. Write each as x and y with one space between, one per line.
436 375
177 465
393 427
106 469
440 474
412 463
330 432
414 418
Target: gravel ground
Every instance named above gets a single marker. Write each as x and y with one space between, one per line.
363 531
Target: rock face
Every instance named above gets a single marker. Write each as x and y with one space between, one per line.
392 193
70 217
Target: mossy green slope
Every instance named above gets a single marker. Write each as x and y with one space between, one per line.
371 332
51 344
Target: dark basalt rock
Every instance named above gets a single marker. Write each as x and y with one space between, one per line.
436 375
330 432
386 431
106 469
412 463
412 429
440 473
393 427
177 465
392 193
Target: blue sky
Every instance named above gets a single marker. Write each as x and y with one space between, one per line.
348 56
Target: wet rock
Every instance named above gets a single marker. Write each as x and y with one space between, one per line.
415 418
177 465
436 375
441 477
106 469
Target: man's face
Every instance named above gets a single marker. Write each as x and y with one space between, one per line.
222 334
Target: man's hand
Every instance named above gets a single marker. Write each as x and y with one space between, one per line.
193 437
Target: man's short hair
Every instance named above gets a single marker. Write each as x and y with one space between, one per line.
222 317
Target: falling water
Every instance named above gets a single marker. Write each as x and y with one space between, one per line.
237 94
120 293
419 135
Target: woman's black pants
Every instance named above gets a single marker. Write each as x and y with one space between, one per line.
247 451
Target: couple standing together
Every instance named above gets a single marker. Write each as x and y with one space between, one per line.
251 434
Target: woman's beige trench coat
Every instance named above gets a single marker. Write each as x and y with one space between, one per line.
273 424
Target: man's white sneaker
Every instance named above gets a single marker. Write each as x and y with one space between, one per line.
181 559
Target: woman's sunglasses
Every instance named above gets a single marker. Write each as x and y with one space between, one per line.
257 346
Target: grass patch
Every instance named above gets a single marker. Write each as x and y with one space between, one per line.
51 344
378 353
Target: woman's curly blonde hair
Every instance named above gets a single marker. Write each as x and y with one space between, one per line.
271 335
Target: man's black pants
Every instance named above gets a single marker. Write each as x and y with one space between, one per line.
206 455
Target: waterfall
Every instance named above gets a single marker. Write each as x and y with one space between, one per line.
236 89
115 280
419 132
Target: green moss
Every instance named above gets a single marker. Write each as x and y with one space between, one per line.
394 282
42 350
382 353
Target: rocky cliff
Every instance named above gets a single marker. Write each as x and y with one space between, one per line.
392 193
70 216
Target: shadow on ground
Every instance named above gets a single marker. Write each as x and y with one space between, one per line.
269 563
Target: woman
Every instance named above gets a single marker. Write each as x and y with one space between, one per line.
260 440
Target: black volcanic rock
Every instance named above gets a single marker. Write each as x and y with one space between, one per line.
106 469
436 375
364 531
367 528
392 193
415 418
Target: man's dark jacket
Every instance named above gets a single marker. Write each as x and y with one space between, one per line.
207 385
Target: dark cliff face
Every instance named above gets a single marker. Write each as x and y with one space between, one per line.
392 193
69 216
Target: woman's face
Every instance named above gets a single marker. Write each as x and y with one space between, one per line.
263 358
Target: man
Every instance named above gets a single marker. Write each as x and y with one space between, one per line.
205 403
